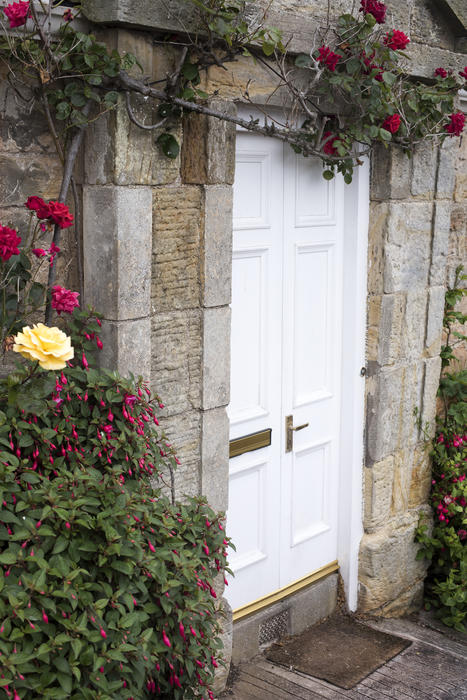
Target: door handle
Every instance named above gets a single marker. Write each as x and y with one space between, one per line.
290 429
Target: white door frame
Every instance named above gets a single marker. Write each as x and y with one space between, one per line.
357 201
350 496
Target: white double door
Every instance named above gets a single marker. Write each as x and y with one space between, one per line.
286 360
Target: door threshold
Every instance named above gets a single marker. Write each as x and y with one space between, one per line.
285 591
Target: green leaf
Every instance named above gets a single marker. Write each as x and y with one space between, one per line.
169 145
385 135
389 78
190 71
328 174
303 60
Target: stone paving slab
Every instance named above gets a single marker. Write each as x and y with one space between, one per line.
433 667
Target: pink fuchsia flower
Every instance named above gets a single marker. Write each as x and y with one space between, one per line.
375 8
328 57
456 124
17 13
165 639
64 300
441 72
396 40
462 534
68 16
9 242
392 123
130 400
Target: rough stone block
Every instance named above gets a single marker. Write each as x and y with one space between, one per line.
216 357
434 326
390 174
217 264
425 159
215 457
420 482
376 238
388 565
177 221
378 481
390 328
392 396
403 463
407 261
127 346
183 432
117 225
430 389
414 326
25 174
208 153
176 359
440 244
449 151
372 332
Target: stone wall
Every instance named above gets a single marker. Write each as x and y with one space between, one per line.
411 251
30 166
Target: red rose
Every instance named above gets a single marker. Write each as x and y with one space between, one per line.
375 8
60 214
396 40
456 124
392 123
38 205
17 13
328 57
39 252
64 300
442 72
463 73
328 147
9 242
368 61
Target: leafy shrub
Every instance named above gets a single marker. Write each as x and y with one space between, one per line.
445 546
446 587
106 587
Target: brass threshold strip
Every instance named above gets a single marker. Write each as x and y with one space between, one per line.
282 593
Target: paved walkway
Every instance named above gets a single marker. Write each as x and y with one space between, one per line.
433 667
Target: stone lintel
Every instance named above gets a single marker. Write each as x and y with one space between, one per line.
297 27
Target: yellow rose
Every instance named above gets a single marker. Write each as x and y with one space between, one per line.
50 346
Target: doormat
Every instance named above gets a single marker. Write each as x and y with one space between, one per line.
338 650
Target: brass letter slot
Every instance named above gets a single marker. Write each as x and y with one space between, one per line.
255 441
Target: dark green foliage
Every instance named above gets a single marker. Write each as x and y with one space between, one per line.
99 571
